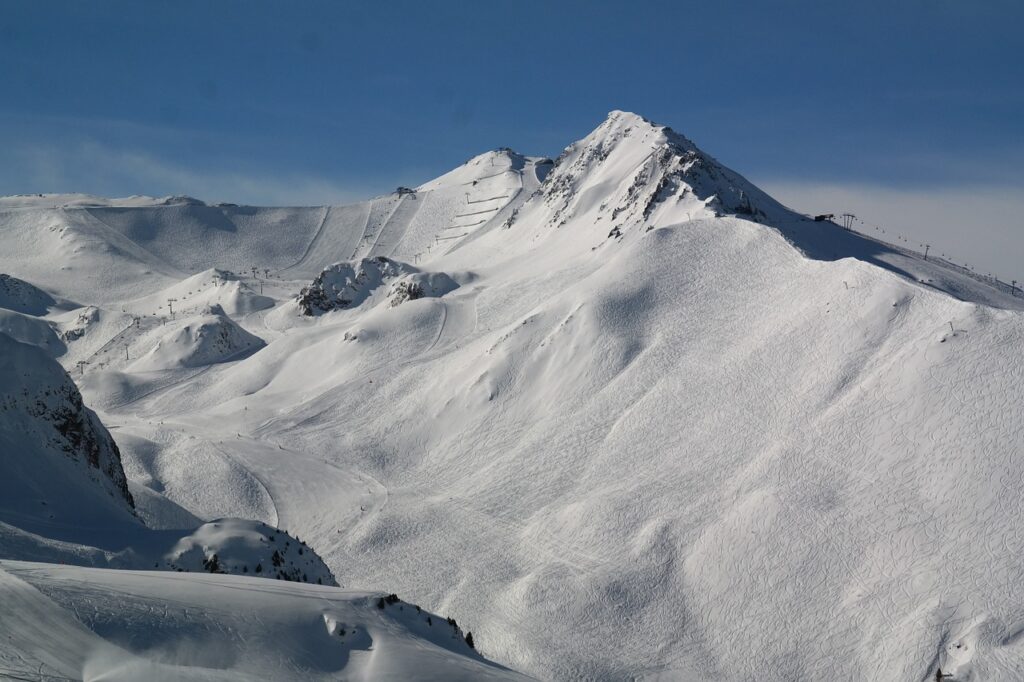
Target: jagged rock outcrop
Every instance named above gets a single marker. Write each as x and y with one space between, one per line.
350 283
637 167
57 460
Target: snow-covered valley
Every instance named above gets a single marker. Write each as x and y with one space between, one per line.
621 415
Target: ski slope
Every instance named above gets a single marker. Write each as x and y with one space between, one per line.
663 428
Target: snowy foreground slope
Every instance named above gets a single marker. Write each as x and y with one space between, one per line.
634 419
95 624
64 497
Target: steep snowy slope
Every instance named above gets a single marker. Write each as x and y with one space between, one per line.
663 427
22 297
60 466
65 494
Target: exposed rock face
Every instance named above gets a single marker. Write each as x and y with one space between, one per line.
52 447
659 164
72 332
350 283
420 285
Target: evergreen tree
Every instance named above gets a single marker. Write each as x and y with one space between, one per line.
212 564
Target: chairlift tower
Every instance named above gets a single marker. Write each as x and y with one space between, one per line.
848 219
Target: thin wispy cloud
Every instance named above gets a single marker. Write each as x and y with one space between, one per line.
91 167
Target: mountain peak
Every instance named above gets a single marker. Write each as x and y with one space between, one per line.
640 169
622 125
627 117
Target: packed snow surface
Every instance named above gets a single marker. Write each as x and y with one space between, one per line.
632 418
67 622
195 341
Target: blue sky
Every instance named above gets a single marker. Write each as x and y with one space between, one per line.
315 102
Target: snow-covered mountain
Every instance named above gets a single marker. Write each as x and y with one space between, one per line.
60 465
621 414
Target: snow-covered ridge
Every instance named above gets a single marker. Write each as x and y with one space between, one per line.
23 297
638 168
90 200
490 164
31 330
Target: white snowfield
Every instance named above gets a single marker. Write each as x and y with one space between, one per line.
75 623
663 428
64 498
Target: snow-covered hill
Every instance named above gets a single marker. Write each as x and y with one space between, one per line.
663 426
195 341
